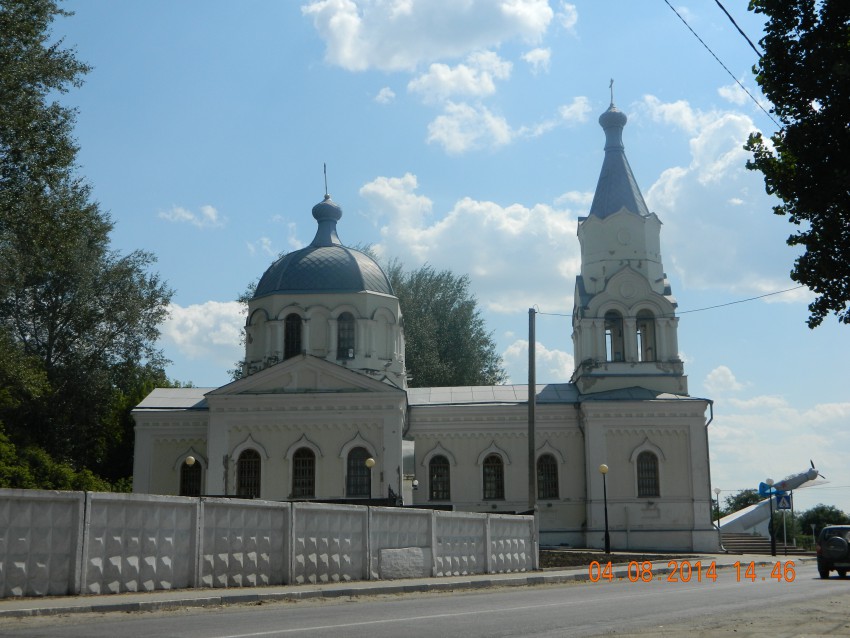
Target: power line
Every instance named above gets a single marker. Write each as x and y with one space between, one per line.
732 75
750 42
731 303
684 312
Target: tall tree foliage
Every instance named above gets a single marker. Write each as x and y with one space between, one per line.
805 73
740 500
820 516
81 315
446 339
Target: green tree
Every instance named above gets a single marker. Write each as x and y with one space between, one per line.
446 339
821 515
738 501
805 73
82 316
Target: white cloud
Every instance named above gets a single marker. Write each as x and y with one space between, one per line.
394 35
575 198
209 331
395 197
719 232
206 217
576 111
568 16
475 78
556 365
462 128
263 245
484 239
733 93
385 95
722 380
538 59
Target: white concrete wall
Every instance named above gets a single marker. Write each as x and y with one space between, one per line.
243 543
40 542
329 543
133 542
59 543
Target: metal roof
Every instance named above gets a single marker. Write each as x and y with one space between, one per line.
551 393
325 265
175 399
617 188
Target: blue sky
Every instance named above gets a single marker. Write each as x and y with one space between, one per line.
464 135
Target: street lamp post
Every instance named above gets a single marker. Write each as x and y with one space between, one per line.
603 469
769 483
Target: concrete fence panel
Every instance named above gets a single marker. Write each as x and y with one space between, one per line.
135 542
511 545
243 543
329 543
40 542
400 543
460 544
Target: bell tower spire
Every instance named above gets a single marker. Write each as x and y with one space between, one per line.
624 323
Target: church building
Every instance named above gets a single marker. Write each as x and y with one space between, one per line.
323 411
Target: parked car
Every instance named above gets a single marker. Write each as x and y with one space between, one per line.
833 549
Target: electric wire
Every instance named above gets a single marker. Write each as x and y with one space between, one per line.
732 20
720 62
684 312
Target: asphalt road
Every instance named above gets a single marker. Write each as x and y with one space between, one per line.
733 604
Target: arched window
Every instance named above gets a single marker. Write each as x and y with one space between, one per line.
345 336
304 473
439 484
494 477
547 477
291 336
646 336
190 479
613 336
358 477
647 475
248 474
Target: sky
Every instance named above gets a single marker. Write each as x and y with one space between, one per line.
464 135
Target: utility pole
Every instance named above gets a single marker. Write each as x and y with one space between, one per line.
532 404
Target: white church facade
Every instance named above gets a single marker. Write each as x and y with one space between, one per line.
323 411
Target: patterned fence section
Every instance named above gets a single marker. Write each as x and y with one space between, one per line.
328 543
40 542
461 544
138 543
400 543
243 543
511 544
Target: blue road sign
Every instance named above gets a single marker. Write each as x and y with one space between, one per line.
783 502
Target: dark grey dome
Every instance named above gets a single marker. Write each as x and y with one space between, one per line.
617 188
325 265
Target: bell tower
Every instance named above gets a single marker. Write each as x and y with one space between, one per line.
624 321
